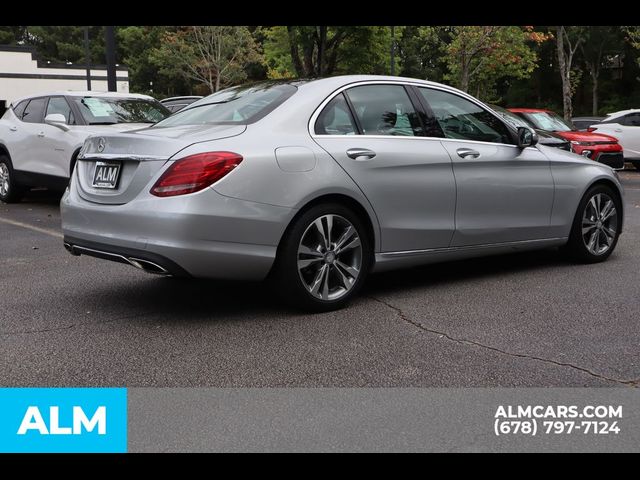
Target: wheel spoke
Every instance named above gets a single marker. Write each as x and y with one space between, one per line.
609 233
592 242
315 286
304 250
587 229
325 283
609 214
598 205
320 228
329 230
346 281
605 209
354 243
350 270
305 262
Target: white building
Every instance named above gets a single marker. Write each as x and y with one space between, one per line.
22 73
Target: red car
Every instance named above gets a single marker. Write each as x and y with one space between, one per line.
596 146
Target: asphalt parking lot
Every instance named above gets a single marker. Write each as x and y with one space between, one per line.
520 320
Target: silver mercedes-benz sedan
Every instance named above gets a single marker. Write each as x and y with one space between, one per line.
314 184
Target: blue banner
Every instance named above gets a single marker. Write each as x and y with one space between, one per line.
63 420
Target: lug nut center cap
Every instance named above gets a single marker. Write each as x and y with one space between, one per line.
329 257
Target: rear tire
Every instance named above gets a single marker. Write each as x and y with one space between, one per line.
323 259
10 190
596 226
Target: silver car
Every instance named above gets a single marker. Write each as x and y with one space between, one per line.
314 184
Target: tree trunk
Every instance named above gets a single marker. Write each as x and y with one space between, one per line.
322 44
464 78
594 94
565 73
295 55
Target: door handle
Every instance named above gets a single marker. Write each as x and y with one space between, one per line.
467 152
13 129
360 153
41 134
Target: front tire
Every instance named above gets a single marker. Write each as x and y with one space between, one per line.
596 226
323 259
10 191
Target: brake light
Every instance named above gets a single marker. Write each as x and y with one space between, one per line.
194 173
591 129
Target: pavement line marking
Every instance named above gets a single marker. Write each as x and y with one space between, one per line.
46 231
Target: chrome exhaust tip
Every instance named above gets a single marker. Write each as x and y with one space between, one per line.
147 266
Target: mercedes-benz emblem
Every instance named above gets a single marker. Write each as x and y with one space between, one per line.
101 144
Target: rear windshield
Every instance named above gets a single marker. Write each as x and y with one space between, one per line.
107 111
233 106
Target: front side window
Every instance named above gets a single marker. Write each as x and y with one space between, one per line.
462 119
384 110
33 112
112 110
61 106
336 118
233 106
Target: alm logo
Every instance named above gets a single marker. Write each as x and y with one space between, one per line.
61 420
33 421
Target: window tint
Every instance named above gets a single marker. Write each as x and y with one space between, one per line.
33 113
336 118
233 106
632 120
384 110
111 110
18 110
461 119
61 106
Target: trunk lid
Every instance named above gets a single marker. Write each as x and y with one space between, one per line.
139 155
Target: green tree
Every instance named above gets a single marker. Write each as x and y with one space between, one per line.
478 56
212 55
12 35
420 52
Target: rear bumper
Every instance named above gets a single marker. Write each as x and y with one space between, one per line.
203 235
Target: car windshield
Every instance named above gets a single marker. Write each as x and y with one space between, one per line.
111 110
233 106
549 121
509 117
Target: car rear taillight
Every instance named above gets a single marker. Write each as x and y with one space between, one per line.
194 173
591 129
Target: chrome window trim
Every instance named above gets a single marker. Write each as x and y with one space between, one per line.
443 88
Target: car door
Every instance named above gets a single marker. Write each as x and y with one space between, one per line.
504 193
26 136
375 133
58 144
627 130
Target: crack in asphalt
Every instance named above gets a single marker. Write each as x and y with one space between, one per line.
463 341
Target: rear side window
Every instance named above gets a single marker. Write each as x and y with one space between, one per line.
61 106
336 118
461 119
384 110
33 113
18 110
632 120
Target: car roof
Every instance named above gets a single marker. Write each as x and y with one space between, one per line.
622 112
529 110
186 97
85 93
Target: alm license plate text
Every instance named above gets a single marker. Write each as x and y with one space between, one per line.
106 175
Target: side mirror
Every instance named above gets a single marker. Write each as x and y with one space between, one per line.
527 137
57 120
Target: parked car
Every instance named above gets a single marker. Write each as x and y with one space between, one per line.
625 126
41 135
314 184
546 138
583 123
175 104
596 146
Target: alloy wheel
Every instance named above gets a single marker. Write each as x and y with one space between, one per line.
599 224
330 257
4 180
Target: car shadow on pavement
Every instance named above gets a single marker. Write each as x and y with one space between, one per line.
203 300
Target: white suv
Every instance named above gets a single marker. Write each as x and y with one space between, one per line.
625 126
41 135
